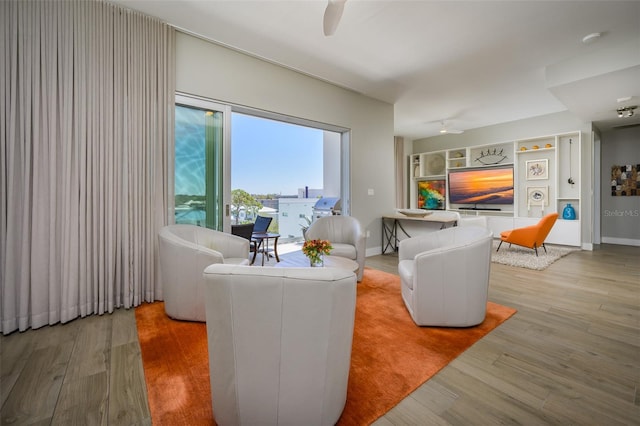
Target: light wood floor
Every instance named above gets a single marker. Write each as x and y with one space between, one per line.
570 355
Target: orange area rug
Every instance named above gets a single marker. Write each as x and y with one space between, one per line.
390 358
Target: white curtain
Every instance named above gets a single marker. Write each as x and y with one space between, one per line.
86 125
400 171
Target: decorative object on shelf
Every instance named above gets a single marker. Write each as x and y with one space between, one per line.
537 169
315 251
537 196
569 212
431 194
414 212
416 170
536 147
548 145
435 164
458 155
491 157
570 181
523 148
625 180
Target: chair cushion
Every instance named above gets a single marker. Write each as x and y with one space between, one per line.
343 250
405 269
504 235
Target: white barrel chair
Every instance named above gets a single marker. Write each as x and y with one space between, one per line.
345 235
471 220
445 276
185 250
279 343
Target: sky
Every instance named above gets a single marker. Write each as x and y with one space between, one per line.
270 156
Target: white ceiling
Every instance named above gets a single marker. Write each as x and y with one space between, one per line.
469 63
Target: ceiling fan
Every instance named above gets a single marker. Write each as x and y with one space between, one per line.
444 129
332 15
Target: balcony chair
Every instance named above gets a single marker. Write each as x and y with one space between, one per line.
530 236
279 343
185 251
345 235
261 226
245 230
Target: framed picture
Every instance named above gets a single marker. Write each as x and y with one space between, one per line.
431 194
537 196
537 169
625 180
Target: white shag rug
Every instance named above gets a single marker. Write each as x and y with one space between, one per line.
526 258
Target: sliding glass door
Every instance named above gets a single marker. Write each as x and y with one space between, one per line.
201 163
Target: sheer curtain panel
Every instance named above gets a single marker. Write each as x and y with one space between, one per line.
400 171
86 125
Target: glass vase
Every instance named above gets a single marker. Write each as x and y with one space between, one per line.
316 262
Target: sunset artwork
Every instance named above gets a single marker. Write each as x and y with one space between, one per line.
482 186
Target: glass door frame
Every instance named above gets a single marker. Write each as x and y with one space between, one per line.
202 103
226 109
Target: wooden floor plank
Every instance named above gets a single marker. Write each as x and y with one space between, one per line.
35 394
128 402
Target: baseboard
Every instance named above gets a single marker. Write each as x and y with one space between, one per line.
621 241
587 246
373 251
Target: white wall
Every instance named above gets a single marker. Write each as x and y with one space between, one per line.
212 71
290 225
331 164
549 124
619 216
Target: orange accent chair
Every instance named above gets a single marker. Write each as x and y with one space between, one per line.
530 236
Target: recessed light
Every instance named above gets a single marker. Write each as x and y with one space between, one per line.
626 112
624 99
591 37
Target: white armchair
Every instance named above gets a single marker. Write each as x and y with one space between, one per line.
279 343
445 276
185 250
346 236
471 220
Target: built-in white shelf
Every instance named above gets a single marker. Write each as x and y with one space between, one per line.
547 177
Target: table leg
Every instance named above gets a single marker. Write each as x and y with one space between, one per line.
389 236
275 248
265 249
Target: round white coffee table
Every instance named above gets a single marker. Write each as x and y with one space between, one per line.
297 259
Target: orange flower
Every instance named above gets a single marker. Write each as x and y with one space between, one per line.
314 249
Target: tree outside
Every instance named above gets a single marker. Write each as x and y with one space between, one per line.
242 199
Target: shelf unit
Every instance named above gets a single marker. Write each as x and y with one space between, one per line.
547 177
457 158
429 165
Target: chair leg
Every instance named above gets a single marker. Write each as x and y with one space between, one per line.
255 252
545 248
499 246
536 249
